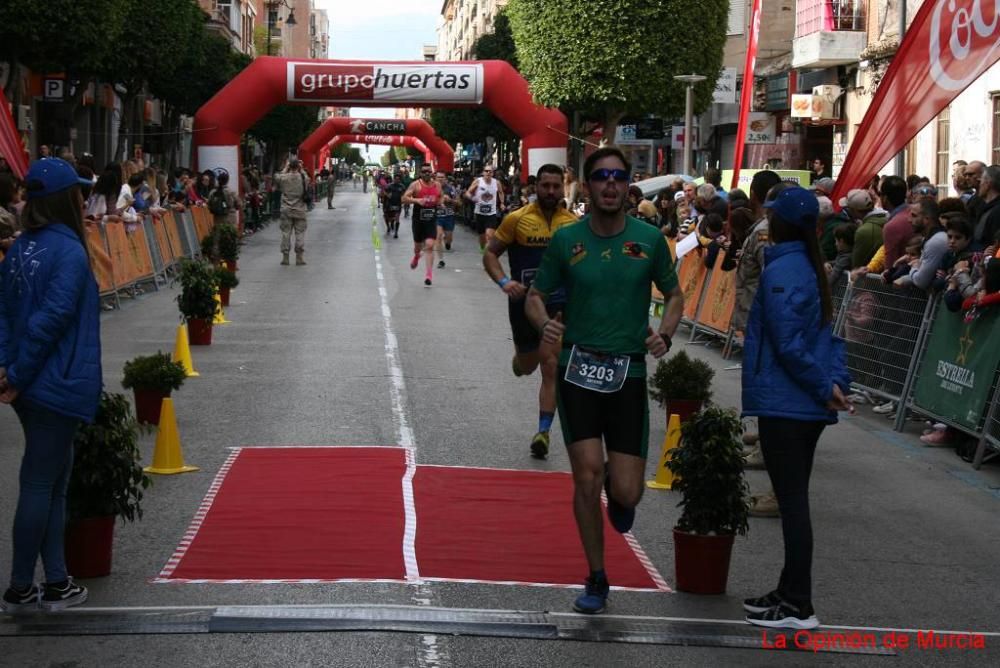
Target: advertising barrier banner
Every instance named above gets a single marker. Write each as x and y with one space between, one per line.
957 372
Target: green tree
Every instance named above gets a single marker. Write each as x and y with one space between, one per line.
150 50
284 127
612 58
468 126
78 38
349 154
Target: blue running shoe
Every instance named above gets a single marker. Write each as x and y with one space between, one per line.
594 598
621 518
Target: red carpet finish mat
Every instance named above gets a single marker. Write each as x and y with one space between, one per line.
336 514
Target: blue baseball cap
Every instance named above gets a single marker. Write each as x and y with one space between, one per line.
795 205
49 176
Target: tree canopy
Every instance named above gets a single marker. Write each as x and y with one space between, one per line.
70 36
612 58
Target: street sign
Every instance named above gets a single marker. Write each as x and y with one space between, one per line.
725 87
54 90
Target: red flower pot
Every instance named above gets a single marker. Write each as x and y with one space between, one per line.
199 332
683 407
224 295
147 405
231 265
701 563
89 544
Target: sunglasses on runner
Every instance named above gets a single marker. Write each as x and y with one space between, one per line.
619 175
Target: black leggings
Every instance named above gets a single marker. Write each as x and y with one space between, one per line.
788 447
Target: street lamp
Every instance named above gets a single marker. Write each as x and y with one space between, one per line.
690 80
272 7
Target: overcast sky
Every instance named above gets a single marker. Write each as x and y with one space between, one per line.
381 30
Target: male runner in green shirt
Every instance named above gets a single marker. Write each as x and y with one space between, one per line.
606 262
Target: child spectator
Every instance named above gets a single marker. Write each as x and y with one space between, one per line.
843 237
900 272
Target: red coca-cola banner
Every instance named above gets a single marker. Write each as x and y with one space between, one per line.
746 94
948 46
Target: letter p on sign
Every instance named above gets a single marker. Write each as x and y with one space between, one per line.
54 90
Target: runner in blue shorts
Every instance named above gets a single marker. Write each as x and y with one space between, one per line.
445 217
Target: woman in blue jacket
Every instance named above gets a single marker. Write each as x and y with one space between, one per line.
50 371
794 381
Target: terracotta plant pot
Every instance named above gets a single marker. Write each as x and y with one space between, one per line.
683 407
231 265
89 543
147 405
224 295
701 563
199 332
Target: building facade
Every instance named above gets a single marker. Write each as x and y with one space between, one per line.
233 19
463 22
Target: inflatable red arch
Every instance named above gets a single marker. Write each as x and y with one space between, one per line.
269 81
340 125
382 140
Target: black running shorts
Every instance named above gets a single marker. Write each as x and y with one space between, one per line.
484 222
526 337
621 418
423 229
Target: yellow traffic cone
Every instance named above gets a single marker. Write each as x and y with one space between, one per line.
664 477
220 314
167 456
182 351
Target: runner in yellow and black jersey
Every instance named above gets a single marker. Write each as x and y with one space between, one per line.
525 233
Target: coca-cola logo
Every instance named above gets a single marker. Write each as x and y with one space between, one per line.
964 41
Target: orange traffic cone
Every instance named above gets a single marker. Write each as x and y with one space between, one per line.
182 351
167 456
220 314
664 476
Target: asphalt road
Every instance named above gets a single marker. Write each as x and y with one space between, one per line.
906 537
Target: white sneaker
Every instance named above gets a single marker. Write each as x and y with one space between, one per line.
885 409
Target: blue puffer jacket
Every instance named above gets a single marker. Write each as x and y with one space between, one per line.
791 359
50 331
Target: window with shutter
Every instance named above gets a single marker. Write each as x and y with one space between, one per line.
737 17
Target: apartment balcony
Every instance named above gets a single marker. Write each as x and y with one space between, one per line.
828 33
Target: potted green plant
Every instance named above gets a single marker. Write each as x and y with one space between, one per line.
152 378
681 384
715 499
222 244
197 299
227 281
106 482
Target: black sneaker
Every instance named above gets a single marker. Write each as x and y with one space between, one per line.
594 599
762 603
440 264
63 595
21 600
621 518
427 282
785 616
540 445
447 246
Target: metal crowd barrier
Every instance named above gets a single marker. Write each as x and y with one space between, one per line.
883 326
991 432
125 257
887 330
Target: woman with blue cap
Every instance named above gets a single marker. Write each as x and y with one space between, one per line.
794 381
50 372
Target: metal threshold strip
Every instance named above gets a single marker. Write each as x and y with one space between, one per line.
418 619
